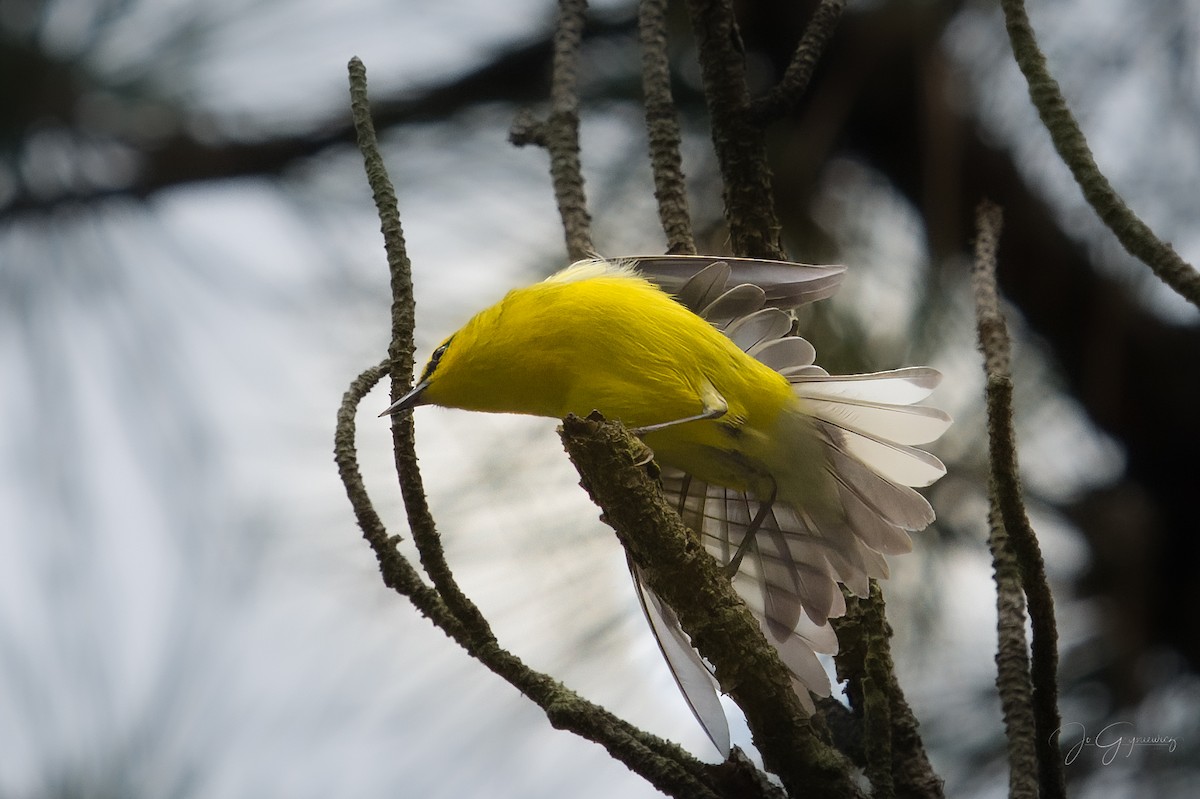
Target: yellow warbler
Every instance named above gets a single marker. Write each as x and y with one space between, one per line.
766 455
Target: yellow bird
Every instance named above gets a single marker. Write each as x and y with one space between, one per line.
796 480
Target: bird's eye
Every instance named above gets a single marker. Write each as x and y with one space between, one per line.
435 357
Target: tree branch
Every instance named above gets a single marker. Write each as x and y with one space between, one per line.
1135 236
663 764
787 93
739 142
559 133
893 754
398 573
662 129
1006 496
400 358
1012 663
618 474
180 159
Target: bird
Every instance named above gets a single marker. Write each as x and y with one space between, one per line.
795 480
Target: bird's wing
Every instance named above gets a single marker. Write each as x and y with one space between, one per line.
868 424
698 280
691 673
783 577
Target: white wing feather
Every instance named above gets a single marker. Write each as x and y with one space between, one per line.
691 674
869 423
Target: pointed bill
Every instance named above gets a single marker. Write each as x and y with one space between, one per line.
409 401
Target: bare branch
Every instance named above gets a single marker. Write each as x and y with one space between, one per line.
1012 663
400 355
398 573
559 133
1006 492
739 142
794 83
663 764
892 753
1135 236
662 128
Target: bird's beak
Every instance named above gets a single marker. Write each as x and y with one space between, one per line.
409 401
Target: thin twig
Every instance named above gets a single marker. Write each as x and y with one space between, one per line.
660 762
1006 489
862 646
1012 663
559 133
400 353
893 755
787 93
662 129
739 142
1135 236
562 136
1013 679
398 573
666 766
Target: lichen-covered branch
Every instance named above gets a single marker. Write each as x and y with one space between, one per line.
739 122
662 129
739 141
1135 236
559 132
669 768
398 573
618 474
893 754
1012 664
663 764
1006 493
400 354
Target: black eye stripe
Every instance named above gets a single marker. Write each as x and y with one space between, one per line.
435 357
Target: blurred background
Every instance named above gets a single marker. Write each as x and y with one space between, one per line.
191 273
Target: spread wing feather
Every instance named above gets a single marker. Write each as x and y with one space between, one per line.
897 463
784 353
785 284
869 423
895 387
703 288
903 424
734 304
779 595
765 324
691 673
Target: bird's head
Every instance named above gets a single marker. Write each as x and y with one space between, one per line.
501 361
419 395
